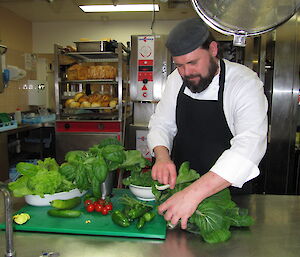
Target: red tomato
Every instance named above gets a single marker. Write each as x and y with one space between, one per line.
98 207
101 201
104 211
109 206
90 208
87 202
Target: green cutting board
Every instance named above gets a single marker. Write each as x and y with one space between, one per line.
99 224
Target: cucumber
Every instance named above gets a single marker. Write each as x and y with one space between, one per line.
66 204
64 213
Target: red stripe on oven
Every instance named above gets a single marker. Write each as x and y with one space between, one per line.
74 126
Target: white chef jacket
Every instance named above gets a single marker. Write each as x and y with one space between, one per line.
245 107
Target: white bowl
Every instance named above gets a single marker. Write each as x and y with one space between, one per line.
142 193
36 200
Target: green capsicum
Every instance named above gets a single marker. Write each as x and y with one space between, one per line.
120 219
140 223
137 212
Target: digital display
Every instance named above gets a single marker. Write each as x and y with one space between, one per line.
145 68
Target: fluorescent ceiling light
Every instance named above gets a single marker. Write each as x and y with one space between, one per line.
120 8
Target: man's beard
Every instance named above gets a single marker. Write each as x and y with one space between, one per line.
204 82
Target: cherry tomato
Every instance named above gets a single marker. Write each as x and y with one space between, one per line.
101 201
104 211
109 206
98 207
87 202
90 208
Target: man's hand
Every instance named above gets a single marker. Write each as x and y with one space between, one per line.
179 206
164 170
183 204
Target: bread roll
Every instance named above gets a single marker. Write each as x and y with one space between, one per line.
96 104
68 102
74 105
85 104
84 98
72 72
94 98
104 104
82 72
106 98
78 95
113 103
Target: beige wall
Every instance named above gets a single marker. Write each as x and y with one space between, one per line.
16 34
46 34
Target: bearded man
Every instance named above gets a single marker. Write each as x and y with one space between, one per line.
213 113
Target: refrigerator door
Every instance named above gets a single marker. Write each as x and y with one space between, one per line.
245 18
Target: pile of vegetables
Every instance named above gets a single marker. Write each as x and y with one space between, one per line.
214 216
88 169
84 170
133 210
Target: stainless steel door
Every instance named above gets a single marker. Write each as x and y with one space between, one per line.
70 141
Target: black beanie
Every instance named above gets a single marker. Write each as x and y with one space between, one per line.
187 36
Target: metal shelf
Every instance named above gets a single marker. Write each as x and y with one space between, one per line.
94 56
102 81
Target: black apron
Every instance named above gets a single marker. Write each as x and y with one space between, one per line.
202 130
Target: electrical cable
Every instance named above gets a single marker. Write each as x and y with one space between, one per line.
153 18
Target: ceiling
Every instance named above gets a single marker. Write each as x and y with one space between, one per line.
68 10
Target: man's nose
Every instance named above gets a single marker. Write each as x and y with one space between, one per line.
187 70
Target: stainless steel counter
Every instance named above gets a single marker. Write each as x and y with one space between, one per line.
276 233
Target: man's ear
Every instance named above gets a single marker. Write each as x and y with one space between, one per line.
213 48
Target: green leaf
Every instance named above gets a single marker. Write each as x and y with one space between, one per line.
75 157
222 199
134 161
19 187
45 182
99 169
27 169
114 153
109 141
48 164
96 188
68 170
238 217
185 174
217 236
210 217
142 178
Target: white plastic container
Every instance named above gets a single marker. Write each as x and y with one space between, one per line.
18 116
36 200
142 193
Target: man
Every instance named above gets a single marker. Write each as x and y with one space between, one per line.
213 113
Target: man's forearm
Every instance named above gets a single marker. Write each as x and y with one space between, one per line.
208 184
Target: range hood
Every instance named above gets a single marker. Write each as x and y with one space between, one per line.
245 18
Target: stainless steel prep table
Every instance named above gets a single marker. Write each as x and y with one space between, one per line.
276 233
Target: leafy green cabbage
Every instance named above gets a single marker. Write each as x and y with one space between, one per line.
215 215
